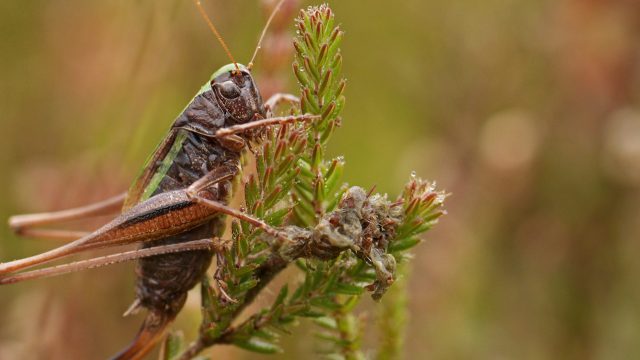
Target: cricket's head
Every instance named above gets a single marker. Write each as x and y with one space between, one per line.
237 94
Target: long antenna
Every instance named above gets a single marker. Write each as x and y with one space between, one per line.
264 31
216 33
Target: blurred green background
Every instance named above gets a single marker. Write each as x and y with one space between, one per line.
527 111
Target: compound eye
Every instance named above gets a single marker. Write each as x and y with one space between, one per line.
229 90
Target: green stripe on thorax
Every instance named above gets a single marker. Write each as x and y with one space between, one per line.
164 166
167 161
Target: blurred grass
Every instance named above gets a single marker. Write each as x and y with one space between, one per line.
526 110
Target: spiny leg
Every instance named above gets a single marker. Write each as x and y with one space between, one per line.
23 225
204 244
214 205
162 215
264 122
193 192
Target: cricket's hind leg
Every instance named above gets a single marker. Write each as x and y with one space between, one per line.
27 225
202 244
159 216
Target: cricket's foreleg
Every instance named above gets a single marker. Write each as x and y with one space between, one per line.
264 122
24 225
204 244
160 216
276 99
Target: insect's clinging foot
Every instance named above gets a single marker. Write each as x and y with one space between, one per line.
221 287
217 276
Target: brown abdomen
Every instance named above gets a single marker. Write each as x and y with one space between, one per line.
163 281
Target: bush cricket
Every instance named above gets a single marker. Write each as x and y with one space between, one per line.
176 207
